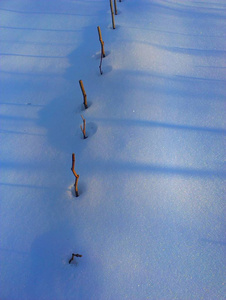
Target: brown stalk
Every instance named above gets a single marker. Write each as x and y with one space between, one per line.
112 15
84 127
84 94
101 41
115 5
75 174
102 49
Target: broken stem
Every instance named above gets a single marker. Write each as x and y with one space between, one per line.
73 255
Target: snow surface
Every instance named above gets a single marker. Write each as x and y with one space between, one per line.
149 220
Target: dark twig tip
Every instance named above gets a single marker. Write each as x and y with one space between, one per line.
74 255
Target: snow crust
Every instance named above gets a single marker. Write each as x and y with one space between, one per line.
149 220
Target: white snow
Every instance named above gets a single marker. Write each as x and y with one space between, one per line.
149 220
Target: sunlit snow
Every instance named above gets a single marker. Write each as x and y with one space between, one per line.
149 219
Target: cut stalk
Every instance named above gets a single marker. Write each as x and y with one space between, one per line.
112 15
84 94
101 41
75 174
84 127
115 5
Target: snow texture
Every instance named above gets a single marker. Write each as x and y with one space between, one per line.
149 219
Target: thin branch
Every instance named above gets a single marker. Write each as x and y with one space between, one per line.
115 5
84 127
73 166
74 255
84 94
75 174
101 59
102 49
112 15
101 41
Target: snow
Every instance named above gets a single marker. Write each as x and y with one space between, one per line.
149 220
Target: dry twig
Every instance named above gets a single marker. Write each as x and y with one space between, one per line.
102 49
115 5
74 255
101 59
84 127
84 94
112 15
75 174
101 41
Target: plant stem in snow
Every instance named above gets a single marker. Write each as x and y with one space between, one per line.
74 255
84 94
101 58
102 49
101 41
75 174
84 127
112 15
115 5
